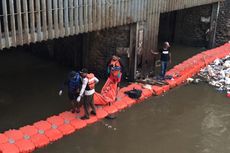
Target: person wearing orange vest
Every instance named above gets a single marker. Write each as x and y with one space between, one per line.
87 90
114 68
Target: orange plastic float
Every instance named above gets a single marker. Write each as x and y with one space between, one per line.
166 88
40 140
92 119
157 90
78 124
9 148
62 125
68 116
128 101
110 109
3 138
120 105
101 113
14 135
25 145
171 83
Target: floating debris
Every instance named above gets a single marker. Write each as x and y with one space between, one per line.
217 74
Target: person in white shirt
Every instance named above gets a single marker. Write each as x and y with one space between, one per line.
87 90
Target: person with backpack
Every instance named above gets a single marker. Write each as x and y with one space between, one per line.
73 84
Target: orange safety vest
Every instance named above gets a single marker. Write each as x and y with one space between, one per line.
91 82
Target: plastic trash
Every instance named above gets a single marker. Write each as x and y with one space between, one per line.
217 74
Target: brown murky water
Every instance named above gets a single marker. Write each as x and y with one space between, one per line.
188 119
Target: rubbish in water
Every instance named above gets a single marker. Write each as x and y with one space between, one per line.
218 74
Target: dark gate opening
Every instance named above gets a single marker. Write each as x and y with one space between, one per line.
186 30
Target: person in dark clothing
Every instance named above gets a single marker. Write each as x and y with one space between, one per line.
74 85
165 58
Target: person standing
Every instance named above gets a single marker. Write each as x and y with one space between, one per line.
114 70
165 57
74 85
87 90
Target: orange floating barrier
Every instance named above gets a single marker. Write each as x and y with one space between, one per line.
75 120
78 124
14 134
8 148
101 113
62 125
25 146
147 93
157 90
166 88
92 119
40 140
120 105
129 101
42 125
68 116
171 83
66 128
53 134
44 128
29 130
110 109
3 138
55 120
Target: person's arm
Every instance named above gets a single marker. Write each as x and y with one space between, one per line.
84 84
96 80
154 53
62 87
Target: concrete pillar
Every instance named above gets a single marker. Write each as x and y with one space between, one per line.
213 24
136 47
133 52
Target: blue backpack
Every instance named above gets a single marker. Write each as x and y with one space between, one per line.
74 81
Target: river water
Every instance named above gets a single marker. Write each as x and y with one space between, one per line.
187 119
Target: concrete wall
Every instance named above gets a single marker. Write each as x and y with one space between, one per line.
190 30
103 44
67 51
223 24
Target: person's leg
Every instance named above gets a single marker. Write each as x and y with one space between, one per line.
165 68
73 106
162 69
72 101
92 105
86 116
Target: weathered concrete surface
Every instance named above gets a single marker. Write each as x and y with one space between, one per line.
103 44
190 29
223 25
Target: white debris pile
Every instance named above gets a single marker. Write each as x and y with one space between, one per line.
218 74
